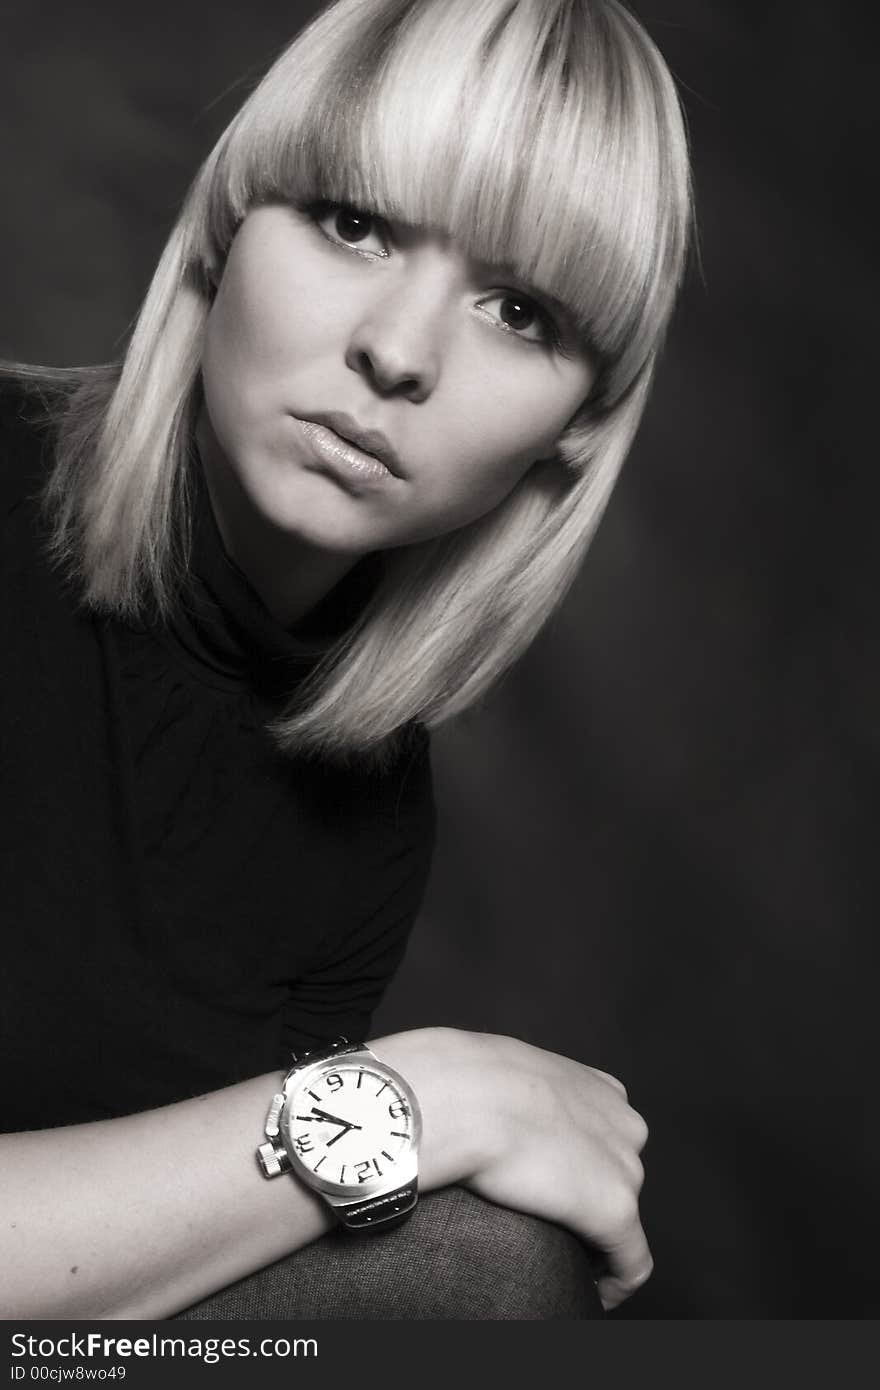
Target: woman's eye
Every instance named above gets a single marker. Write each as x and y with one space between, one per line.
350 226
520 315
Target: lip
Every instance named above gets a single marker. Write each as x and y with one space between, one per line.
371 444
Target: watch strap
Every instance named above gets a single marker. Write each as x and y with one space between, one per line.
378 1213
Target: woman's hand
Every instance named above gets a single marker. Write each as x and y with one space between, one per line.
535 1132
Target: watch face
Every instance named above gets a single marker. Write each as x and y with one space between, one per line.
352 1126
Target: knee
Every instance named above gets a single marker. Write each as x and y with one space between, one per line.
458 1257
475 1260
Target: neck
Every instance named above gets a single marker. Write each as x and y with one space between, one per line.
291 576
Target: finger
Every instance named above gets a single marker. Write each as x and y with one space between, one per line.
628 1266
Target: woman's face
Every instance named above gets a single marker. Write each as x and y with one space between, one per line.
367 385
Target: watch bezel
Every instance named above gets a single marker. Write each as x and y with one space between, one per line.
405 1168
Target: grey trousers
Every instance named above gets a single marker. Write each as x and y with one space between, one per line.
457 1257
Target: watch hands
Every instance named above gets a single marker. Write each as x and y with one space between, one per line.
333 1119
341 1135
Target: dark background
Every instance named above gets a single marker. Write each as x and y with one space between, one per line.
657 839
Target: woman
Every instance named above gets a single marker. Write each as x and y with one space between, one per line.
375 402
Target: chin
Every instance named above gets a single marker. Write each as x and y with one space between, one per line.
302 526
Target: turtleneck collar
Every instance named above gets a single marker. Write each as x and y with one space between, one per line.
225 626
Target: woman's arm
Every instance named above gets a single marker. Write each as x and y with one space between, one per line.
141 1216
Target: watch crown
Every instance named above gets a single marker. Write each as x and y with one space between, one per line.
273 1116
273 1160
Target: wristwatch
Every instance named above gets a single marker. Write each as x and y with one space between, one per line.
348 1126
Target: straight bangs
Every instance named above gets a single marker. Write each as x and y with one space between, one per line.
545 136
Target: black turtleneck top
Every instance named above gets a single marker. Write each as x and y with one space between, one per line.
180 903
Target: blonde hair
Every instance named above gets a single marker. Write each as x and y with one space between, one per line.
544 134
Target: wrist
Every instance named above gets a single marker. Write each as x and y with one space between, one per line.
447 1069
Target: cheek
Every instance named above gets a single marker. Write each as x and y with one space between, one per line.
498 435
266 332
240 341
249 329
468 482
246 361
491 479
495 434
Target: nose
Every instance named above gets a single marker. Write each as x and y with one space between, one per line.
399 339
